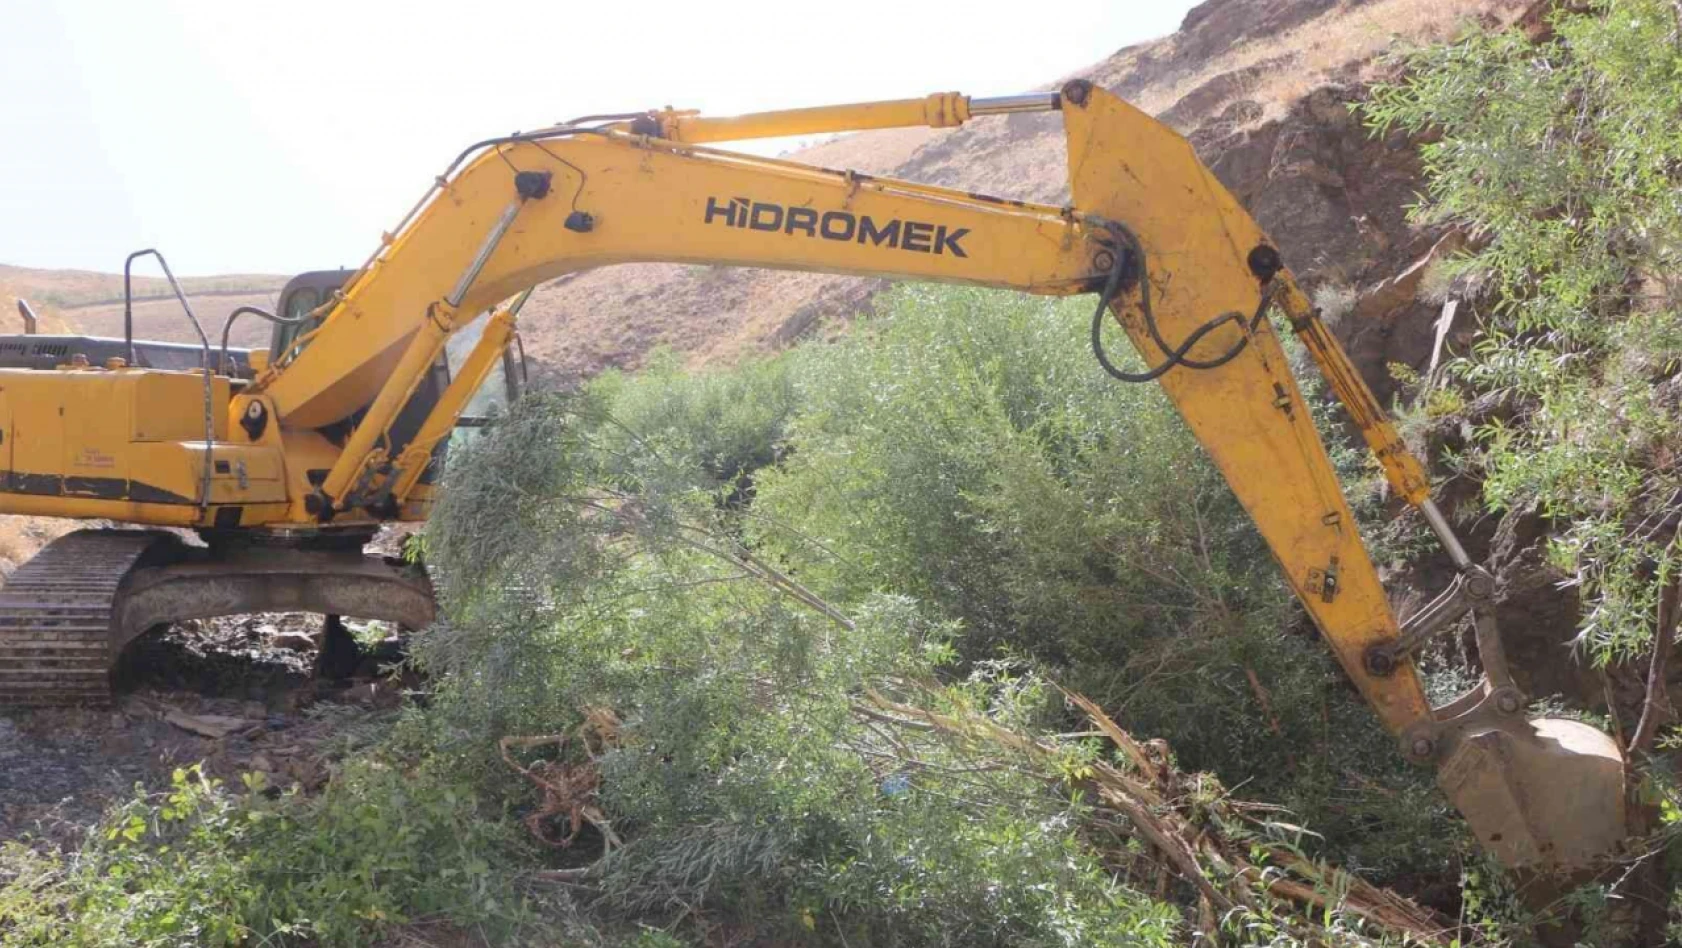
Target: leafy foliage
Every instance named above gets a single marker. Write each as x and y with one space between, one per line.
741 776
1561 158
969 453
954 494
953 503
199 865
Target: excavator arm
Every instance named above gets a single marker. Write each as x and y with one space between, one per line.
1543 793
529 209
1145 210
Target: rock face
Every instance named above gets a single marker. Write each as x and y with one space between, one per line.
1261 87
1214 26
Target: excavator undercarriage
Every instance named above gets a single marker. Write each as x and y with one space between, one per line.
67 614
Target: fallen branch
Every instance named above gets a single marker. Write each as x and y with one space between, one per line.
1655 709
1226 854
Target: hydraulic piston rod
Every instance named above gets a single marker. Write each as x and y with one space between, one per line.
941 110
1011 104
360 454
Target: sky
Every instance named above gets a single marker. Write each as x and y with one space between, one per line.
276 136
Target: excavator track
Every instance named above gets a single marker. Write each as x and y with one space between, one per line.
67 614
56 618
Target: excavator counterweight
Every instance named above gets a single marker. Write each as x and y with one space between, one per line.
285 461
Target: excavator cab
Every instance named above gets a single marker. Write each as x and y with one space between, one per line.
301 296
300 308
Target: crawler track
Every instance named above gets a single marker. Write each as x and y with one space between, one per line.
67 614
56 614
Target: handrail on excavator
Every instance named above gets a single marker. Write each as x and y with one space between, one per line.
204 355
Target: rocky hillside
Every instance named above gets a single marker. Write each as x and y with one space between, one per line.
1262 88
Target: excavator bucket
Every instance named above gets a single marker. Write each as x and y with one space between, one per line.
1546 794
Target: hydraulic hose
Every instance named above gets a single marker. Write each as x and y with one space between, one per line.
1131 249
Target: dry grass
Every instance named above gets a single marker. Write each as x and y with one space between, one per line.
1345 43
874 153
51 318
163 319
160 319
69 289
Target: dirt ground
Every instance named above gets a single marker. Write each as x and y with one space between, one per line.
238 694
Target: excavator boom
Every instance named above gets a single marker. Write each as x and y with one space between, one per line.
339 430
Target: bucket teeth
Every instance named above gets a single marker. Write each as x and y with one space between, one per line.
56 614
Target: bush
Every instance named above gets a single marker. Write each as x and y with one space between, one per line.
953 493
967 451
198 864
735 773
689 582
1560 158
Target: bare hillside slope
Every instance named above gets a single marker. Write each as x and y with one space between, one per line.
1261 86
76 288
91 302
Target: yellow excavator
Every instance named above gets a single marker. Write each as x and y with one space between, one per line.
284 462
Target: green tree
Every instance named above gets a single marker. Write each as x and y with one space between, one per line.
629 572
1561 158
966 450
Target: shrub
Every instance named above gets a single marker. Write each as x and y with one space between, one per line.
967 451
198 864
1559 157
735 775
962 482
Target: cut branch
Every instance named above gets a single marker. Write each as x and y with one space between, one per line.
1229 857
1655 709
